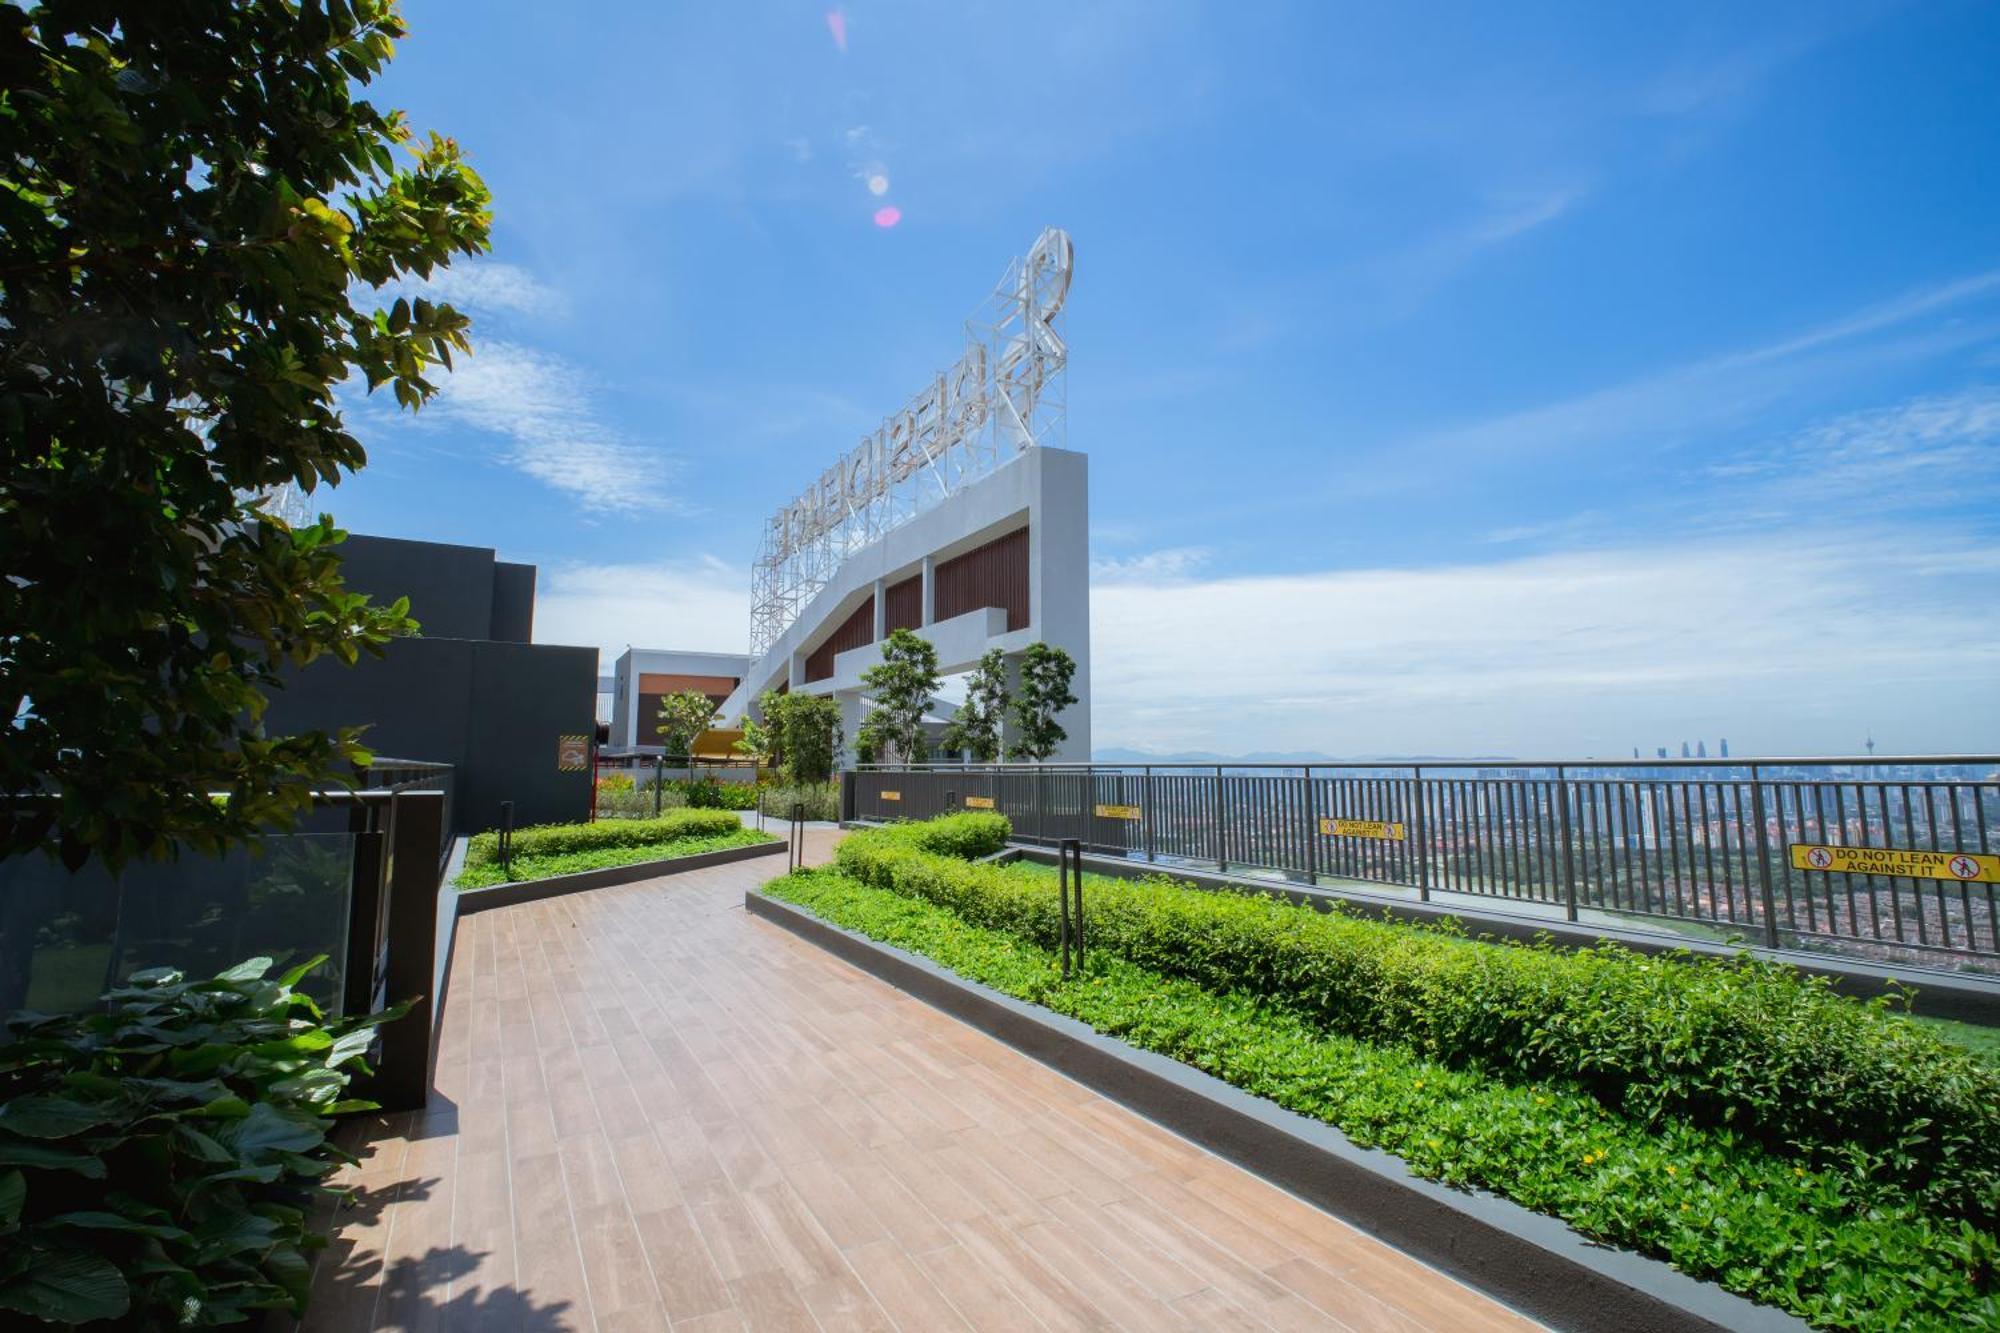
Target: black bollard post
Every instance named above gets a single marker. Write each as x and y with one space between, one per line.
507 838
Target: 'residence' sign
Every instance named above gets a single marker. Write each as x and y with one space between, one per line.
993 402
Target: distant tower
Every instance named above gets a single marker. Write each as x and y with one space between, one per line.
1701 749
1725 747
1871 742
1684 751
1635 752
1663 752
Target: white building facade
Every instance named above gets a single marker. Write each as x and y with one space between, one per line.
1002 563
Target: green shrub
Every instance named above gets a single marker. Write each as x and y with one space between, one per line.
1750 1045
159 1157
614 782
708 794
966 836
1712 1204
558 839
820 799
602 858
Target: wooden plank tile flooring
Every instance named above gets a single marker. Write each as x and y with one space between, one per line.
655 1112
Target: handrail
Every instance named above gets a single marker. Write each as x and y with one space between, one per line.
1428 761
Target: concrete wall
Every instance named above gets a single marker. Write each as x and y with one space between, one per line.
630 728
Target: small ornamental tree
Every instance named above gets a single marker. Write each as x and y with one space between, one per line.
811 736
1039 699
197 211
975 731
683 717
757 742
902 684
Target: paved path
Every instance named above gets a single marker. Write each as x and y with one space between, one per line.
656 1112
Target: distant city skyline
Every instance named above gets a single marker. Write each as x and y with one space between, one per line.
1461 383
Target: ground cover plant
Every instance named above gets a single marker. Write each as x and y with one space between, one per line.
544 850
1830 1236
160 1156
1753 1047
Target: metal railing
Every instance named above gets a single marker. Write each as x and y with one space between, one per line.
1892 857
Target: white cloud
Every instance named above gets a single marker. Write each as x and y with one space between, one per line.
1786 642
1920 452
480 286
699 605
542 408
1152 567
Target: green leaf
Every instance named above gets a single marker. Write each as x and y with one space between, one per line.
294 975
51 1117
43 1157
266 1129
67 1288
97 1221
251 969
13 1197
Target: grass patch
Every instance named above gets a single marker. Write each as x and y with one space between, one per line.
1982 1041
1711 1202
487 874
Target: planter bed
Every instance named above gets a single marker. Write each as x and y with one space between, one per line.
1832 1230
550 863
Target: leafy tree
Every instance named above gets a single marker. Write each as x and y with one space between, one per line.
811 734
902 684
683 717
199 211
976 729
1044 692
757 742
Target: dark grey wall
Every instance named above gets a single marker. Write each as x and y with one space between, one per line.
493 711
513 603
454 591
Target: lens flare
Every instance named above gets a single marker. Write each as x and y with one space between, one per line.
878 184
888 217
836 23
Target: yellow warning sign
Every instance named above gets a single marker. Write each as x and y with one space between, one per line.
1965 867
1361 828
979 802
1119 812
892 796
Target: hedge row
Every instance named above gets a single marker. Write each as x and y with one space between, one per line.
561 839
1704 1200
1752 1046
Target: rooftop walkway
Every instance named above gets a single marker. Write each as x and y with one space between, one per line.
655 1112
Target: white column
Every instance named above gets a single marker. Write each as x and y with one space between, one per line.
881 612
850 723
930 591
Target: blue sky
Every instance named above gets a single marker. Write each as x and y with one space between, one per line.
1553 378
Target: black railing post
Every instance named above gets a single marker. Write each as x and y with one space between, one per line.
1763 860
1152 831
795 854
1312 829
1075 851
1069 880
1569 863
507 838
1221 825
1423 844
659 783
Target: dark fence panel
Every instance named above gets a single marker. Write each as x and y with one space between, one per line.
1893 858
